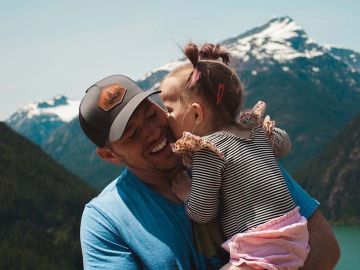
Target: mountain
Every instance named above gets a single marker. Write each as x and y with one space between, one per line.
334 176
350 57
311 90
37 121
70 147
40 208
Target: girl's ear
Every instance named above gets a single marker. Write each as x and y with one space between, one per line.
108 155
198 113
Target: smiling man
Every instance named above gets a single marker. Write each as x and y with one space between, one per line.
137 222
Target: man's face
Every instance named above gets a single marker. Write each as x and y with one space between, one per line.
145 144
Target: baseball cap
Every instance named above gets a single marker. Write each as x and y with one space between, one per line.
107 107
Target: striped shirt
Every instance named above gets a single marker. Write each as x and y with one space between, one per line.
245 189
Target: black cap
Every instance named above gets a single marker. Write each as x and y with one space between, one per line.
107 107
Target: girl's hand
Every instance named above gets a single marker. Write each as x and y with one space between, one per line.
268 126
181 186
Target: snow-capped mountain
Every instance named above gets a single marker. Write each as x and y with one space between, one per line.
38 120
309 87
311 90
280 41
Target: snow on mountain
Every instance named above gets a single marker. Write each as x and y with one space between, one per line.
64 108
65 112
38 120
281 40
348 56
167 67
60 108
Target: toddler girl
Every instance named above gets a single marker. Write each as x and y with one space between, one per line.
235 173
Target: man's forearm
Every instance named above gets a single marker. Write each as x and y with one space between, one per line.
324 248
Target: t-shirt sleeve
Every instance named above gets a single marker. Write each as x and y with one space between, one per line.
307 204
203 202
102 247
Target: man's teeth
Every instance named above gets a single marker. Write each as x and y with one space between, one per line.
160 146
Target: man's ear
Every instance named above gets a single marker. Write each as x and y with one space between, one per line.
107 154
198 113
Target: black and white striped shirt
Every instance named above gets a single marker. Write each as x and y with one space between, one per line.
245 189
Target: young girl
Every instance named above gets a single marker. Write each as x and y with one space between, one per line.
235 174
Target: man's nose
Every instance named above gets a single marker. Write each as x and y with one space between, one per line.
151 130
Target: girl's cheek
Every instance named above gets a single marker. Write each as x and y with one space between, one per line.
175 127
172 122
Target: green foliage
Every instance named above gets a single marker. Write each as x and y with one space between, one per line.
311 108
334 176
40 208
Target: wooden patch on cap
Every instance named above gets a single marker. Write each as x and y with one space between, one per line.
111 96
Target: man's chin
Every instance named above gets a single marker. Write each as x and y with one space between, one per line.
172 166
173 137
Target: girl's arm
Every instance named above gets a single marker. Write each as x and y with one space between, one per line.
181 186
202 204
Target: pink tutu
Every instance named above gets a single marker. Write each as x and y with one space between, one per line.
279 244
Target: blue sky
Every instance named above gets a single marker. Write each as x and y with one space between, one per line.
62 47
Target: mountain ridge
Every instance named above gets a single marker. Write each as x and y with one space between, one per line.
333 176
40 207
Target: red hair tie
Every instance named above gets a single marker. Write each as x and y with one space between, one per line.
220 93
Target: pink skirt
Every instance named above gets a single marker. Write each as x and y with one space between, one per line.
279 244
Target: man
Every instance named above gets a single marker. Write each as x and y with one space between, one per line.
137 222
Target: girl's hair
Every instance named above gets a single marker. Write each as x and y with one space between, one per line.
209 76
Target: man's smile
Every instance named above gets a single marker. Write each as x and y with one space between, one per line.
160 146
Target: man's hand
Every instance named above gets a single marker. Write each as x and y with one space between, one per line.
181 186
324 248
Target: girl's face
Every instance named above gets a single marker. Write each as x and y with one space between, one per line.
179 114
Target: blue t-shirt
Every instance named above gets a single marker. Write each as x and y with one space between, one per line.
307 204
130 226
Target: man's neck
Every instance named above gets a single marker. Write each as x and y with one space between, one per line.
159 182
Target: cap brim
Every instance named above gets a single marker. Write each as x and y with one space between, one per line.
121 120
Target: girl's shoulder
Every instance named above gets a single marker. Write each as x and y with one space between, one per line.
232 136
190 143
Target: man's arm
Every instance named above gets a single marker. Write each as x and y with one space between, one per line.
324 248
102 247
